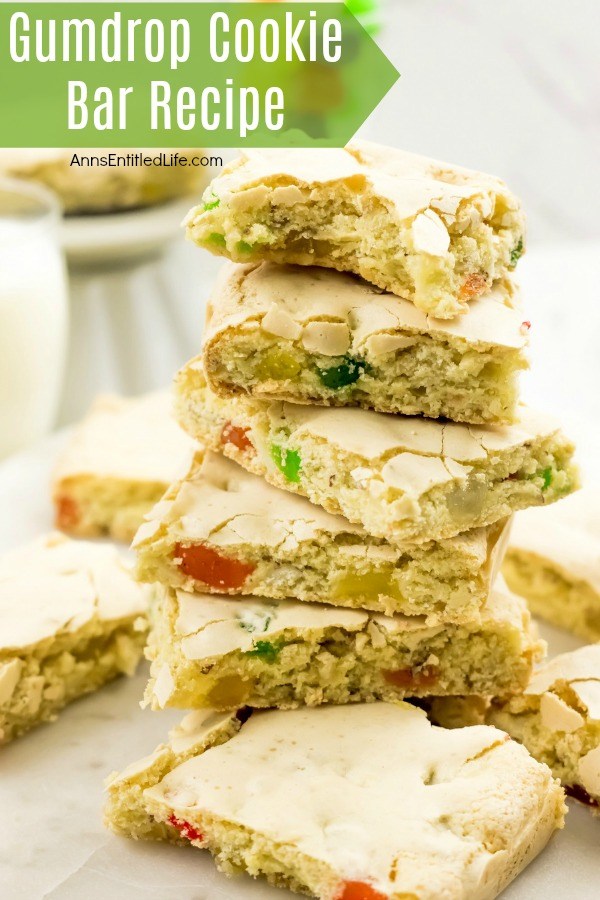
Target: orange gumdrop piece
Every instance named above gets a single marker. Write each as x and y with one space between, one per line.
233 434
406 678
67 513
473 286
204 564
360 890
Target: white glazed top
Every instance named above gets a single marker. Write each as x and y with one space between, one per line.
421 453
375 792
407 453
220 502
210 625
333 313
56 585
412 186
131 439
194 729
372 434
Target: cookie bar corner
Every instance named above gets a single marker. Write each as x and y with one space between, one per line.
72 619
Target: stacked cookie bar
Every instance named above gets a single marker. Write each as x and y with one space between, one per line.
336 541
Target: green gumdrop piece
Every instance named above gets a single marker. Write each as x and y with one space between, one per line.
265 650
516 253
243 247
545 475
341 376
211 204
217 239
287 461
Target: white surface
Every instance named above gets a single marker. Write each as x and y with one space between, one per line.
509 87
52 843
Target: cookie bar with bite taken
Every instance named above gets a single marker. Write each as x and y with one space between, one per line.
222 652
436 234
368 802
314 336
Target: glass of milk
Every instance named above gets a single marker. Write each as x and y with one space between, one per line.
33 314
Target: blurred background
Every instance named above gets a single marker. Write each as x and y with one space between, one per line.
511 88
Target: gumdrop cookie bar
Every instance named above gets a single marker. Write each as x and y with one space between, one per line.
404 478
553 560
222 652
558 720
309 335
345 803
85 189
117 465
223 530
436 234
72 618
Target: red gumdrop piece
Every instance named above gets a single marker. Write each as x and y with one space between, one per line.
233 434
206 565
406 678
185 829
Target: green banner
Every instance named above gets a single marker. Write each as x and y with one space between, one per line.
186 74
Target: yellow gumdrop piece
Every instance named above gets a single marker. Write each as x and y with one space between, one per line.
466 502
371 584
278 364
229 692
